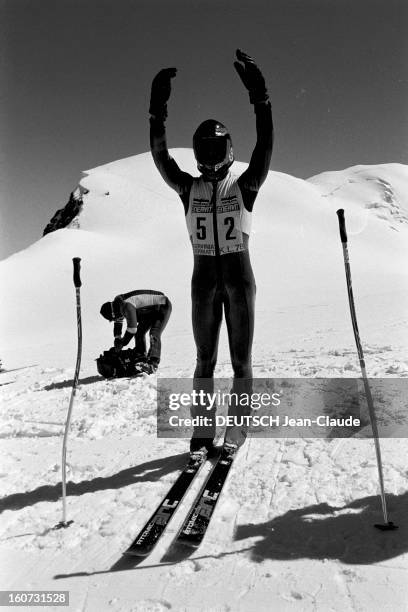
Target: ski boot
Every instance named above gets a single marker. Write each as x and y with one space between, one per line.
146 367
197 457
203 446
229 450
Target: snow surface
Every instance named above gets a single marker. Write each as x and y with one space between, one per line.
293 529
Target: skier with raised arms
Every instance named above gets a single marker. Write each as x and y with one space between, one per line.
218 207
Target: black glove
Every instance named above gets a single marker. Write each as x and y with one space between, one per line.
161 89
251 77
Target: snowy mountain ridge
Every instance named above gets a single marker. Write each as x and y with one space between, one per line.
385 193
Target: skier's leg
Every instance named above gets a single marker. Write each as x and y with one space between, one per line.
207 317
156 331
140 337
239 314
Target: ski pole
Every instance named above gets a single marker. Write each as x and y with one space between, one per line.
373 420
77 283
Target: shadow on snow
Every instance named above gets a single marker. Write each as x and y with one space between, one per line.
150 471
321 531
318 532
68 383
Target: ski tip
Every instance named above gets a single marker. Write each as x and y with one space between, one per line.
390 526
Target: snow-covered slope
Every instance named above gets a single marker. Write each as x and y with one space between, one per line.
132 234
293 529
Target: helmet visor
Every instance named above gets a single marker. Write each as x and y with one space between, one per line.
211 151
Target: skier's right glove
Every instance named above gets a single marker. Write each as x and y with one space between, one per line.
251 77
160 94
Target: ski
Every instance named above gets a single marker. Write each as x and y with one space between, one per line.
148 537
196 524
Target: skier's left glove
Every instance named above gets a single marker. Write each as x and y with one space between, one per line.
160 94
252 78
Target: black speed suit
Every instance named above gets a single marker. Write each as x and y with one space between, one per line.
223 277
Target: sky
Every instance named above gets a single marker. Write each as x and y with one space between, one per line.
76 78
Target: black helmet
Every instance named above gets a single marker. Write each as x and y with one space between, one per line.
212 147
107 311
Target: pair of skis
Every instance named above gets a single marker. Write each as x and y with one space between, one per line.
196 523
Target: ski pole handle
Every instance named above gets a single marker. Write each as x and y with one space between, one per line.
77 270
342 226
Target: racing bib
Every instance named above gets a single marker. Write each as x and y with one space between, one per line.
220 230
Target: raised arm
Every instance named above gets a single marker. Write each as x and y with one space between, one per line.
253 177
161 88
